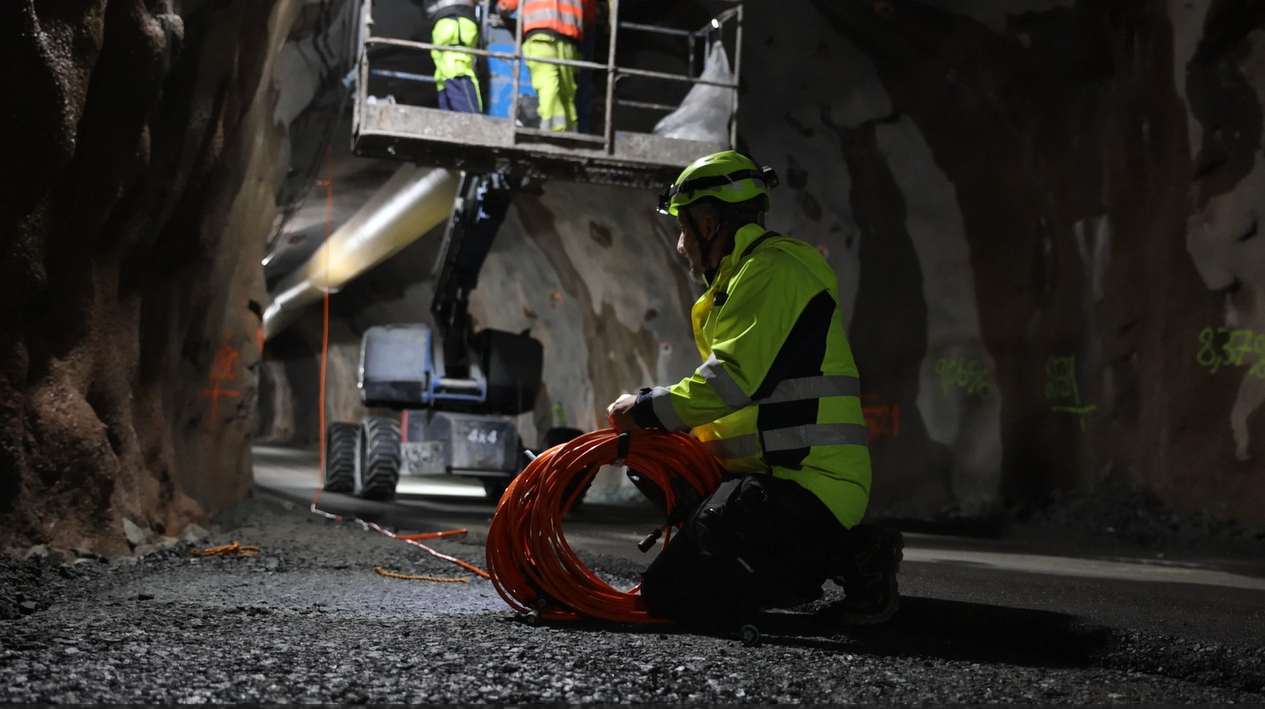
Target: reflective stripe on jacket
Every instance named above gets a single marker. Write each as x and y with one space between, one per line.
565 17
778 390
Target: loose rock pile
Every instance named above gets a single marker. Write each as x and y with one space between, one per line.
1137 517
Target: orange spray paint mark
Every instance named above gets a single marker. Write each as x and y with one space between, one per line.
882 420
225 368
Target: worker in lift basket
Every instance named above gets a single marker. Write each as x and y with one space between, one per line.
456 24
552 29
777 401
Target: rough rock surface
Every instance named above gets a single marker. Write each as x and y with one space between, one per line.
309 620
140 165
1136 518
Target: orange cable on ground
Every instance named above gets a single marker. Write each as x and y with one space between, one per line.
468 567
413 577
431 535
226 550
410 539
533 567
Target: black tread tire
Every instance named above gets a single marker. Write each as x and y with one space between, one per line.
495 487
341 440
564 434
379 469
561 434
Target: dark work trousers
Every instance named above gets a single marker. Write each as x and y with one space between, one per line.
757 542
460 94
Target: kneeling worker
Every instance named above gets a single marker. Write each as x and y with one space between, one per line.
777 400
456 24
553 29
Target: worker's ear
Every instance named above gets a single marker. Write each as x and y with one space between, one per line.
708 222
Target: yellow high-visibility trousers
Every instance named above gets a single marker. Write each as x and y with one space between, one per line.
554 84
454 71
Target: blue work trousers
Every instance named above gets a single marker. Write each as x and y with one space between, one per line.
460 94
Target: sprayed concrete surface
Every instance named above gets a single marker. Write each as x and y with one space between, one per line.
309 620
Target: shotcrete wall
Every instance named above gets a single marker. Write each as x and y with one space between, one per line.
1043 217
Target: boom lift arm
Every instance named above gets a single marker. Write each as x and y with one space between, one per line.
480 208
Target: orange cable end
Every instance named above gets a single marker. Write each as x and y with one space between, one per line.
431 535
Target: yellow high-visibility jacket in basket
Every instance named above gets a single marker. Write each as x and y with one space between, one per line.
778 390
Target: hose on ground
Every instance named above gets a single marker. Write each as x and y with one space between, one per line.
533 567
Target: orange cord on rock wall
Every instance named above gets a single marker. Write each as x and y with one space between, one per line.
320 410
533 567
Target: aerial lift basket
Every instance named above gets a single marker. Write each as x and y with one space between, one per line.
481 143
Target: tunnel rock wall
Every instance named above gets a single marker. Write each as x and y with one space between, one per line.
138 183
1043 216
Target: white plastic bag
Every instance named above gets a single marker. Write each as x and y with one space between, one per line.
704 114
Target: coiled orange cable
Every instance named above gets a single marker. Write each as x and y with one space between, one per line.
533 567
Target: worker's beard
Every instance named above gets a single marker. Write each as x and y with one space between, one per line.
695 261
697 257
698 273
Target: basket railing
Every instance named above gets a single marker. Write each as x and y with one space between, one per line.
613 71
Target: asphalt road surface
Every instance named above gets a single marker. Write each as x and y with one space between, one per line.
308 619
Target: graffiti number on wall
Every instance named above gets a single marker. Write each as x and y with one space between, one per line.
882 420
1237 346
1060 385
969 375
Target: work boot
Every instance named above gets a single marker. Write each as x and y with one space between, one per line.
868 575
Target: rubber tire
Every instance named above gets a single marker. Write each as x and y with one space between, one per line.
341 440
561 434
495 487
379 468
564 434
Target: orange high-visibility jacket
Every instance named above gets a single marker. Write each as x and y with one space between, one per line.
564 17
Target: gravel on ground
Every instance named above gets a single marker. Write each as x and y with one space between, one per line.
309 620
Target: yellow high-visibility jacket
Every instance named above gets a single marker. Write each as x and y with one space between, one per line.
778 390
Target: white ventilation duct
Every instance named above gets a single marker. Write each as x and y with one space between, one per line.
410 204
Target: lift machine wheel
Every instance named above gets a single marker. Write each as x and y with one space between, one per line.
379 468
341 440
